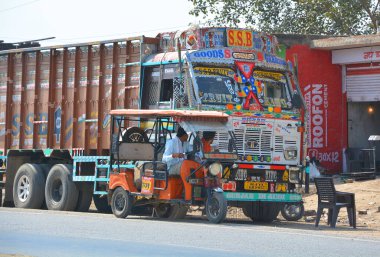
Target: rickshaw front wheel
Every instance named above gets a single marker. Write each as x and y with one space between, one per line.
216 208
121 203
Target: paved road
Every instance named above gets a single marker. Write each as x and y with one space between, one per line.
49 233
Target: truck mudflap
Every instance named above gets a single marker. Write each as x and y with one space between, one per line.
269 197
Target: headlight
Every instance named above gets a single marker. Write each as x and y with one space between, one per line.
290 153
215 168
294 175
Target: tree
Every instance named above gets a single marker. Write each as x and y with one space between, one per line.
325 17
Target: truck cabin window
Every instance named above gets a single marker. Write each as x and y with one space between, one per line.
217 90
275 94
166 90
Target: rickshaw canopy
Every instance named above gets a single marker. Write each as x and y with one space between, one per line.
177 115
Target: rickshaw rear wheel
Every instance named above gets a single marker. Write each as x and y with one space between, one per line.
216 208
101 204
121 203
171 211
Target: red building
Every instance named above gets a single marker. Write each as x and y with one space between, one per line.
340 79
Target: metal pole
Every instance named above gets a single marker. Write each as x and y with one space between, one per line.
307 175
181 89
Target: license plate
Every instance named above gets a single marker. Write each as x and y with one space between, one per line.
147 185
253 185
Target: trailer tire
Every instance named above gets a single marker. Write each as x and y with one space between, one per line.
121 203
101 204
28 187
84 196
262 211
61 193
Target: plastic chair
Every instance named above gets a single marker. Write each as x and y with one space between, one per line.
333 200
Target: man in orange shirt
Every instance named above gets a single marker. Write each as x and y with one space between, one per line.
208 138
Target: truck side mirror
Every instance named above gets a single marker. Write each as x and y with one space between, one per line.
296 100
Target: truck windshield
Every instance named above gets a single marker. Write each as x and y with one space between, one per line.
274 89
217 90
271 89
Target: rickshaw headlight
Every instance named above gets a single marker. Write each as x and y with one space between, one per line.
215 168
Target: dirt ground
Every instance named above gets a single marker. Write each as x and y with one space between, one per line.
367 199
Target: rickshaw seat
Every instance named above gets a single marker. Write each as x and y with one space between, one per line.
138 170
135 152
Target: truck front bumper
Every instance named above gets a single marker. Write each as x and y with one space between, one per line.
268 197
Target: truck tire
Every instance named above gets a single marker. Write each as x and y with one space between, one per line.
28 187
293 211
61 193
45 168
262 211
121 203
216 208
101 204
84 196
171 211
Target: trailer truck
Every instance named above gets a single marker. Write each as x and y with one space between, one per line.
55 107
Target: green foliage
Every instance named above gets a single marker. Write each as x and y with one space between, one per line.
325 17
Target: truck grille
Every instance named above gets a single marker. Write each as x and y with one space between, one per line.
260 139
278 144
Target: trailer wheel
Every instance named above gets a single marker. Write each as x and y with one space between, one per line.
61 193
28 187
121 203
134 135
101 204
262 211
216 208
84 197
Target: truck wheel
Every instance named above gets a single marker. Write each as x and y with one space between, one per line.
181 211
216 208
163 210
28 187
121 203
84 197
293 211
171 211
61 193
262 211
101 204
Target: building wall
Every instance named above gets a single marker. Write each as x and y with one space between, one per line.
321 84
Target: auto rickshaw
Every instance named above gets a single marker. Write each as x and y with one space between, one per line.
141 178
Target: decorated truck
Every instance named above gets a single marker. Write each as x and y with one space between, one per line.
55 107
